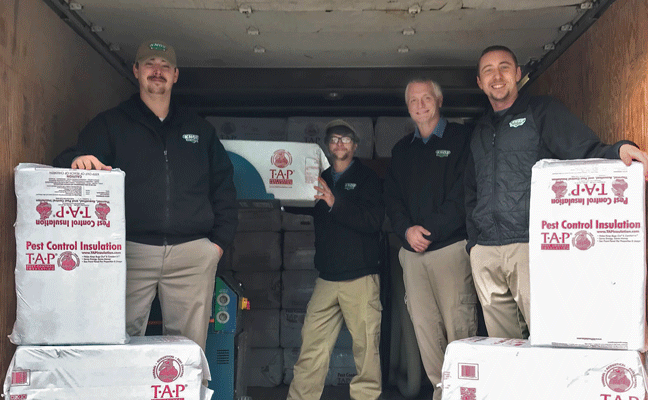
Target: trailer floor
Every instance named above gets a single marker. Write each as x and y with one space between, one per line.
332 393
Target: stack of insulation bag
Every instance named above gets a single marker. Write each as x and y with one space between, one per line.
587 265
71 288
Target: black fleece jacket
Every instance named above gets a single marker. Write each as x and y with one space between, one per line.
503 151
179 184
424 186
347 236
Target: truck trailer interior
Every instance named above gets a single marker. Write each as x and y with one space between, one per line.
64 61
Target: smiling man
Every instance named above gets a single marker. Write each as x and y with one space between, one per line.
425 204
180 197
348 216
508 140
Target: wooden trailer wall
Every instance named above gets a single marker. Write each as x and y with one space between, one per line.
603 76
51 83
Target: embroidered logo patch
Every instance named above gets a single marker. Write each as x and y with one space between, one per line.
517 122
442 153
190 138
157 47
350 186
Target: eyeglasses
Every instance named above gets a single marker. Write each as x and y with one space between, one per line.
343 139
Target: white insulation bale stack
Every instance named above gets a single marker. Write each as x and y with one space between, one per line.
154 367
587 254
511 369
70 256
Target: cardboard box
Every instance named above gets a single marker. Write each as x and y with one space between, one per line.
587 254
299 250
311 130
259 219
232 128
264 367
256 251
70 256
262 327
296 222
297 287
283 171
262 289
511 369
154 367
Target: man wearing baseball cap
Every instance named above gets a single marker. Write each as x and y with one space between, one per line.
348 218
180 197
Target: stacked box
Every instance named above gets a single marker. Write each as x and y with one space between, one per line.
262 289
283 171
259 219
298 287
311 130
511 369
299 250
71 265
256 251
341 367
296 222
232 128
156 367
264 367
587 254
262 327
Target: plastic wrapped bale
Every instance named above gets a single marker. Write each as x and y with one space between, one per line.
481 368
155 367
587 254
70 256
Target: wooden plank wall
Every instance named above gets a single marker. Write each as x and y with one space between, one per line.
51 84
603 76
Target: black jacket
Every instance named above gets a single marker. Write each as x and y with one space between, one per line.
503 151
178 184
347 236
424 186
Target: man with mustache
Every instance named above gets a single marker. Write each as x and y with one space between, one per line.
508 140
181 211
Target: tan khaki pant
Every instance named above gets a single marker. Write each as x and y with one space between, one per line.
502 280
441 301
357 302
183 275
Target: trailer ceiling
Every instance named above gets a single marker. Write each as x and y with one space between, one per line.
336 56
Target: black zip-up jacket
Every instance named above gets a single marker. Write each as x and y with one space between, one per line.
503 151
347 236
424 186
179 180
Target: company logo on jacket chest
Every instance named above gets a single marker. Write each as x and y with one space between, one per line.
190 138
517 122
350 186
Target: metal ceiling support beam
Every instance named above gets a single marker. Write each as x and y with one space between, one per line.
584 22
81 27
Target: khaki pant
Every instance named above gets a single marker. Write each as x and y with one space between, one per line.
183 275
441 301
502 280
356 302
